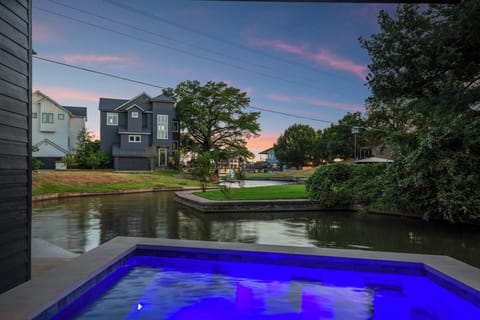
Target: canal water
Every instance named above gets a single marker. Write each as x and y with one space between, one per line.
81 224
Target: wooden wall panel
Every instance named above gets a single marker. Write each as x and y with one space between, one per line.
15 142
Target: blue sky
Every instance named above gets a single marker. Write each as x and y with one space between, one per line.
299 58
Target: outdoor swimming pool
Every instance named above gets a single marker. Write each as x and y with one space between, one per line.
145 278
180 288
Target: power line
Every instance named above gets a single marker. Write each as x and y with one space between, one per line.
290 114
162 87
210 36
164 36
99 72
171 48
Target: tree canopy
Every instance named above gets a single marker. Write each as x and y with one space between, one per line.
213 119
425 82
295 147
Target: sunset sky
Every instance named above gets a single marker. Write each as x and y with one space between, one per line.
298 58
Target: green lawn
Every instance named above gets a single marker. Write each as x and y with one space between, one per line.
46 182
287 191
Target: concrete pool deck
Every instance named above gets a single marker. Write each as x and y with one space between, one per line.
44 295
46 256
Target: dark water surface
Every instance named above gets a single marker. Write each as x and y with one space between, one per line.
81 224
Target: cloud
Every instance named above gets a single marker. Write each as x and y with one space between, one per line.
262 142
111 60
58 93
316 102
320 56
44 33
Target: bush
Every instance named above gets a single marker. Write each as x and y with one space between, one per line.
329 186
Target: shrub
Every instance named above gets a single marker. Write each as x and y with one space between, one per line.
329 186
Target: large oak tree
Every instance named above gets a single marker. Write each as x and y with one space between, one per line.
213 119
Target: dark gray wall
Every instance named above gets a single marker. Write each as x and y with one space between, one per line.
109 134
15 142
135 124
133 164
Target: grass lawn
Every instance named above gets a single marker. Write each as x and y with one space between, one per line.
287 191
45 182
279 174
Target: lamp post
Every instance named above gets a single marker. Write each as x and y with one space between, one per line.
355 131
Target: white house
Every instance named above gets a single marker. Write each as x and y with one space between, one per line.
55 128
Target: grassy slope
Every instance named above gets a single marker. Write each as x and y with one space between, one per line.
45 182
288 191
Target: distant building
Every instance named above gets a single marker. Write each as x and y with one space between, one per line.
271 158
141 133
55 128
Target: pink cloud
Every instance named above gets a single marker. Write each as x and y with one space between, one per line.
118 62
44 33
320 56
249 90
262 142
58 93
316 102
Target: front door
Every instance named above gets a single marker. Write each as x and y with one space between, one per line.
162 157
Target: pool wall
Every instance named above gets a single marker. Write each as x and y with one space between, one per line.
43 297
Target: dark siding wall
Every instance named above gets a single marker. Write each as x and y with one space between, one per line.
108 134
15 142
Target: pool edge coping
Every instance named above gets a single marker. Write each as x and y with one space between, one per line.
34 297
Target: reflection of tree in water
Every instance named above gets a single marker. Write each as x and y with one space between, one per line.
382 233
197 226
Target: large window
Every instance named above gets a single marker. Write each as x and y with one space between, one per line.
47 117
162 126
134 138
112 119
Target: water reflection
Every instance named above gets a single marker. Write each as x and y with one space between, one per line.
81 224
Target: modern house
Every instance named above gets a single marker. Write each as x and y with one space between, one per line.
55 128
141 133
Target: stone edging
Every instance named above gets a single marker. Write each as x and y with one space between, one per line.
212 206
102 193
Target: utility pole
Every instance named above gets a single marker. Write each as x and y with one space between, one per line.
355 131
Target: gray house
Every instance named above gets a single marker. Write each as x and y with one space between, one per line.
141 133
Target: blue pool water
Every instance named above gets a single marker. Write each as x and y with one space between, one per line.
181 288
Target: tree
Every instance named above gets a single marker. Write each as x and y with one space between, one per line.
36 163
295 146
425 77
338 140
203 169
214 119
88 154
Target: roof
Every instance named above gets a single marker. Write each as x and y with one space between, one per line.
162 98
372 160
77 111
50 142
107 104
266 151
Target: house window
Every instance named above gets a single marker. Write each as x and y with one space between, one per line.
134 114
134 138
162 126
175 126
175 145
61 116
47 117
34 115
112 119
